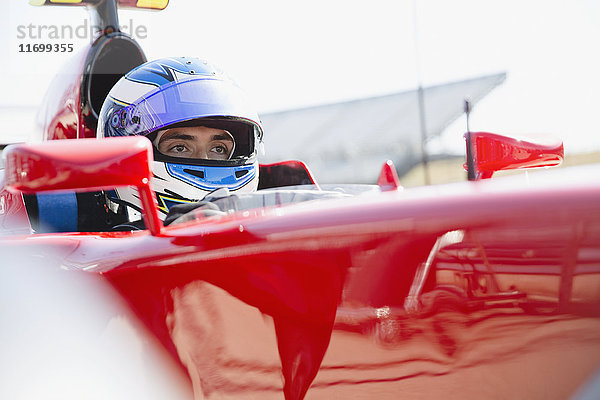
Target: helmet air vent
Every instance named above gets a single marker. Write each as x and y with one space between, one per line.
195 172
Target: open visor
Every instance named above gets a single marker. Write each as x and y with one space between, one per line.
195 142
182 101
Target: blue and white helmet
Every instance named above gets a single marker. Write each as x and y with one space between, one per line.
175 92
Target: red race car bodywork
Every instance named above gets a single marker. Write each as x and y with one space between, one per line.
480 289
474 284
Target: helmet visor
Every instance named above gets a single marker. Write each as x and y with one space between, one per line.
182 101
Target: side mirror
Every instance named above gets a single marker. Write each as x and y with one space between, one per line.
82 165
491 152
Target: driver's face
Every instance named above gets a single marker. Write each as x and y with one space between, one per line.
196 142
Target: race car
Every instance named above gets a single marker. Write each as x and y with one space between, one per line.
488 288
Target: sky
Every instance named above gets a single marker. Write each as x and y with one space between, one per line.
289 54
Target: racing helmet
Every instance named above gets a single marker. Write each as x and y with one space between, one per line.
178 93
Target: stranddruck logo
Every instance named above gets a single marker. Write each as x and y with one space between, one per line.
69 32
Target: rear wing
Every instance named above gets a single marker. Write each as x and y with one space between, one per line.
104 13
131 4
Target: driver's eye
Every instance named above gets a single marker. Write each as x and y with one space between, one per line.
218 152
178 148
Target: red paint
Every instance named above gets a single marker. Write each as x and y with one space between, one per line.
388 177
494 152
60 112
85 164
371 297
78 164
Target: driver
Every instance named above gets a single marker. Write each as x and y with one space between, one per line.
204 133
